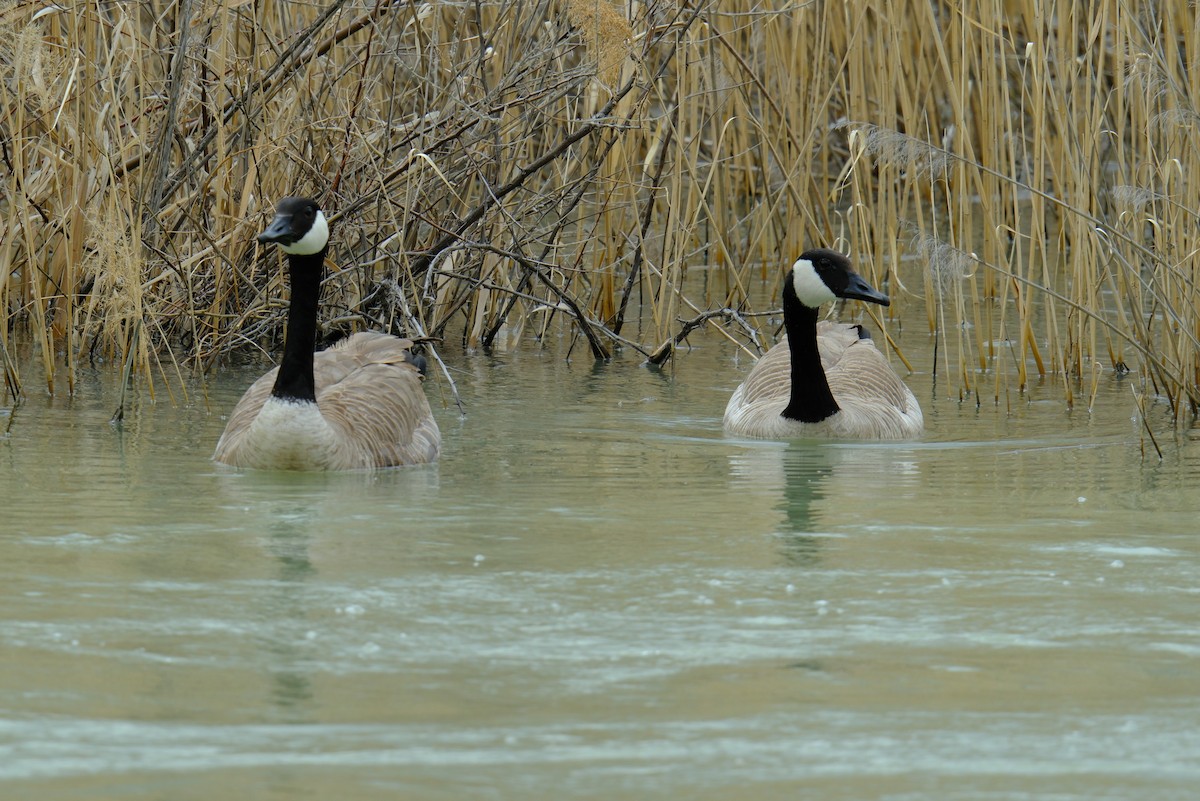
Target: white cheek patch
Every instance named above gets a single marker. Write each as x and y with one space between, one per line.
312 242
810 289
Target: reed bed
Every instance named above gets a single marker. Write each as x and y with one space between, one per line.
1021 176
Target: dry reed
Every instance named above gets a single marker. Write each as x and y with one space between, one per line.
505 170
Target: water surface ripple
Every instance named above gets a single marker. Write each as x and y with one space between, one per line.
596 594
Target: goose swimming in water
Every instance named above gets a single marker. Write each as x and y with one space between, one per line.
824 379
359 404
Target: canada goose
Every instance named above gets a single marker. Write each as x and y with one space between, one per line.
358 404
824 379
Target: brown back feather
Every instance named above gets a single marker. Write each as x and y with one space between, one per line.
368 388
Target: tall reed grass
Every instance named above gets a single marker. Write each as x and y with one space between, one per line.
1022 176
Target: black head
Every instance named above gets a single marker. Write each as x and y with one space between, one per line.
821 275
299 227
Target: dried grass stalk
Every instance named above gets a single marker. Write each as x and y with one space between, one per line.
505 169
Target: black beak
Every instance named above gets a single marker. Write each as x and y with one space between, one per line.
280 230
858 289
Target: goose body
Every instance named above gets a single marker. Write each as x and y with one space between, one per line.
824 380
359 404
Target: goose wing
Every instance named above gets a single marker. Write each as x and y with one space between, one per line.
369 390
862 372
769 379
874 401
834 338
242 417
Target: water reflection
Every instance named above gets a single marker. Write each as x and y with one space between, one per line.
807 469
817 487
792 478
288 542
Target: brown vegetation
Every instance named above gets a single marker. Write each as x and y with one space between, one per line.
497 170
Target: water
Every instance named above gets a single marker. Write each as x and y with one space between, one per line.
596 594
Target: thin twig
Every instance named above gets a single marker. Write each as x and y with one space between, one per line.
586 325
664 351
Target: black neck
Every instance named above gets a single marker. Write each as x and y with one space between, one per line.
811 399
295 379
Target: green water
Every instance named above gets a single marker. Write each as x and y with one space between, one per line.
596 594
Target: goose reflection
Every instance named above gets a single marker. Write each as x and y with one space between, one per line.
311 535
287 540
791 478
815 488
